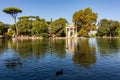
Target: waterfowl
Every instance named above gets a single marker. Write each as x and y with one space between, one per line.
59 72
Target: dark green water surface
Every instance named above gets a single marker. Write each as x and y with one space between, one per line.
80 59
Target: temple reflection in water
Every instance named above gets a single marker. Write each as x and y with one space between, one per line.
83 51
71 44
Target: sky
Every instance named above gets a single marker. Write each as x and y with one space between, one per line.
47 9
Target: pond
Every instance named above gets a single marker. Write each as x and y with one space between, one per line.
80 59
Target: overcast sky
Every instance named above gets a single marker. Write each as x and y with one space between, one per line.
109 9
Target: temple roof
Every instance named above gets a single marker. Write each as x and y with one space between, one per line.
71 25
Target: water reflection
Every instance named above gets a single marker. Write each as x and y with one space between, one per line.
28 49
108 46
42 59
83 52
57 47
71 45
2 46
37 49
12 63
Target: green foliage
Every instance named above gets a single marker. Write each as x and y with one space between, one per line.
6 30
83 33
10 33
57 27
12 10
13 27
40 28
108 28
2 27
117 31
28 17
85 20
103 31
24 27
32 25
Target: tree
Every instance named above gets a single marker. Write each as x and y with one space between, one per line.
32 25
2 28
40 27
24 25
112 27
85 20
108 28
117 31
13 12
103 28
57 27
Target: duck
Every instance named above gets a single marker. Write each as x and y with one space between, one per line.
59 72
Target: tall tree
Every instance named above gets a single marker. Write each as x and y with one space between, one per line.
13 11
85 20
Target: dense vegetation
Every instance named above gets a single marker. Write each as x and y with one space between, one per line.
109 28
2 28
32 25
57 27
39 27
85 21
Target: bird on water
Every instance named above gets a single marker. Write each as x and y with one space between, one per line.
59 72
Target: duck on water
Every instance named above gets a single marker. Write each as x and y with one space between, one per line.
59 72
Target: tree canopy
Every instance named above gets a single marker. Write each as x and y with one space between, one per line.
108 28
2 27
36 26
32 25
85 20
57 27
12 11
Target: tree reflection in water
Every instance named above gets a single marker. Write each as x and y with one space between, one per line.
39 48
108 46
82 52
13 63
58 47
2 46
85 55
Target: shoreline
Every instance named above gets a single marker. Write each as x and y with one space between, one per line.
39 38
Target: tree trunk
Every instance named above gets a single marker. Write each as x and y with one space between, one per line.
16 27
